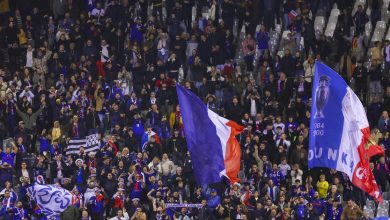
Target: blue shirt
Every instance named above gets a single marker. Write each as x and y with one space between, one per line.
8 158
318 206
19 214
44 144
213 201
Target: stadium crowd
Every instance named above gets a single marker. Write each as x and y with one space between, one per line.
73 68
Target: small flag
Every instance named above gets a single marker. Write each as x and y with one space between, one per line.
146 138
292 14
90 143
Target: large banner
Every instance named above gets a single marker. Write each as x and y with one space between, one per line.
339 130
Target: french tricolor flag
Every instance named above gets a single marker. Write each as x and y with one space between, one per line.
214 150
339 131
292 14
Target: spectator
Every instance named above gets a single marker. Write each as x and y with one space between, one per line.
351 211
360 18
322 186
383 123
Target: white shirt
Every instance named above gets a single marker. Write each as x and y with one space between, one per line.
104 57
28 94
25 173
301 87
125 217
29 59
253 108
298 176
284 168
59 171
98 12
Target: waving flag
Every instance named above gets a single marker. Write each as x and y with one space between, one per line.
146 138
90 143
211 141
339 134
51 199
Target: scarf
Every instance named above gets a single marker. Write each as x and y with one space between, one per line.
178 120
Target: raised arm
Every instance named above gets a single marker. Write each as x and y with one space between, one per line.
150 197
14 148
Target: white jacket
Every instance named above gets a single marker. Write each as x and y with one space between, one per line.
163 167
125 217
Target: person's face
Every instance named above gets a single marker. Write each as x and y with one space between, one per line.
8 184
7 194
19 204
254 168
282 76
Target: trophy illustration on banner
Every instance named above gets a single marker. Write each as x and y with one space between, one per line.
322 95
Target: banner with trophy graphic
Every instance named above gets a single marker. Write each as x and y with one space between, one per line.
339 130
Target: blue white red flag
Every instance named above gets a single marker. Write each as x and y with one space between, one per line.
211 141
51 199
146 138
339 130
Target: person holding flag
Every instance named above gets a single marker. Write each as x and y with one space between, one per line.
340 133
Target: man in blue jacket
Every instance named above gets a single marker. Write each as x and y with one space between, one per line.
97 207
8 205
214 199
